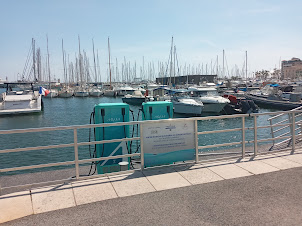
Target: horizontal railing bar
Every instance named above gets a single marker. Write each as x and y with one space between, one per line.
219 145
275 138
219 131
276 125
281 113
109 157
275 131
108 141
36 148
36 166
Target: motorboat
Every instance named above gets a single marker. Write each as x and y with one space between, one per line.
213 103
137 98
184 104
20 102
122 91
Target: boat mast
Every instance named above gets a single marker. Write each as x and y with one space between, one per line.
80 62
34 59
171 52
223 63
95 75
64 64
245 66
48 63
109 63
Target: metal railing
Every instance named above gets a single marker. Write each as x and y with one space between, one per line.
198 153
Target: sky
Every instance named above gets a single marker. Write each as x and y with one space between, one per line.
269 30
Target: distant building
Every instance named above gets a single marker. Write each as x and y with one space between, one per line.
182 80
291 69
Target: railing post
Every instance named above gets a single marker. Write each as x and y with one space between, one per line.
243 136
272 130
293 132
76 152
196 141
142 148
255 136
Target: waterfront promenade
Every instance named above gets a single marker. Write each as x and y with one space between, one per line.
264 191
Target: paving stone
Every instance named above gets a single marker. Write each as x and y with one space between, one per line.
295 158
93 190
52 198
131 184
200 175
281 163
15 205
165 178
257 167
229 171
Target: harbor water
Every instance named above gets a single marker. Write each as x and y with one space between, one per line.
76 111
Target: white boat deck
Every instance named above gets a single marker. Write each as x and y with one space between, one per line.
39 200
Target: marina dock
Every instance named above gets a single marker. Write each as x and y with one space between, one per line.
261 190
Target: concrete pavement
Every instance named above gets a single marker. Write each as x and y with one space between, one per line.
241 192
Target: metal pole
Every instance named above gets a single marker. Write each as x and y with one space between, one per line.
243 137
142 148
196 141
76 152
293 132
272 131
255 136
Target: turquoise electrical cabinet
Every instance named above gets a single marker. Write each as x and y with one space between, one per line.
155 110
111 113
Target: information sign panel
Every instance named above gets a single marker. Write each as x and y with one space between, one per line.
163 137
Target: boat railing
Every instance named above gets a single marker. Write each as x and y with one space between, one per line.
200 155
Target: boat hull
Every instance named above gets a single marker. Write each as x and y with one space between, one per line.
278 104
181 108
65 94
134 100
81 94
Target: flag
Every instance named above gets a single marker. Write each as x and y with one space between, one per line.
43 91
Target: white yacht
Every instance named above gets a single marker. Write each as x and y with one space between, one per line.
20 102
95 92
184 104
137 98
213 103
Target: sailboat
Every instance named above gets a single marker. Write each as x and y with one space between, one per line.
81 91
110 92
95 91
66 91
52 92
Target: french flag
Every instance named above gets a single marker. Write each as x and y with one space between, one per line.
43 91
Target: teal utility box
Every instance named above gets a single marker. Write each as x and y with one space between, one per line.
163 110
155 110
111 113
